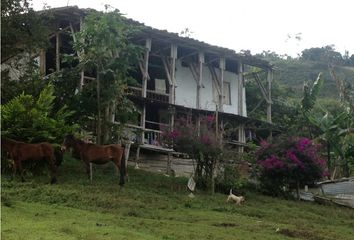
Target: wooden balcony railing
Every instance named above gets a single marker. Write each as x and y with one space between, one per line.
151 94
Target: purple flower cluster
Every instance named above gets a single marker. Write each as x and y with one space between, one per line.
303 143
210 118
174 134
290 154
272 162
205 139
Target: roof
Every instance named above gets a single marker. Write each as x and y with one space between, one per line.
74 13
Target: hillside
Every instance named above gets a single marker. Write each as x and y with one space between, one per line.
294 72
152 206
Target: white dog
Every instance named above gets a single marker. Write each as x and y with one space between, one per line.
234 198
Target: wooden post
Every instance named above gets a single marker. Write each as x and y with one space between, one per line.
169 156
142 123
137 157
146 66
240 89
269 103
173 73
57 51
42 62
173 86
221 96
144 88
241 131
200 78
199 86
241 137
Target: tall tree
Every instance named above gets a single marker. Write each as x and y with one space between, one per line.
22 29
103 44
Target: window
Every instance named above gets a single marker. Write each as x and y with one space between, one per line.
227 93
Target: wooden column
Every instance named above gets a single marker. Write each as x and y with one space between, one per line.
240 89
241 131
173 79
144 87
146 66
221 95
173 73
200 78
199 86
42 62
269 103
241 137
82 74
57 51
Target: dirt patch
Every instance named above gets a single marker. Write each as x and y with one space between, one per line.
224 225
302 234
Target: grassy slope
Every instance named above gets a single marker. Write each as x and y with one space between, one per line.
152 207
293 73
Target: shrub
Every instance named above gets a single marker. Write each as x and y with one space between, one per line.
289 164
202 146
29 119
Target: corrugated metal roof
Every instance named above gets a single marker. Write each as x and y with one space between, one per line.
74 11
346 187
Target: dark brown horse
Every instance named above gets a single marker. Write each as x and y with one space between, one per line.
98 154
20 152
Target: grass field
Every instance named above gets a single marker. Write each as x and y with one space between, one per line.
152 206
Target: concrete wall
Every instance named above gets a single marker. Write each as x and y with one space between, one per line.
186 91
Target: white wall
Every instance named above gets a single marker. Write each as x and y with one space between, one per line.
186 91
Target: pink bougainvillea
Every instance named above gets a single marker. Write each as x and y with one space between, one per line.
272 162
293 161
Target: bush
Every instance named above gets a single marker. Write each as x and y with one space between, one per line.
33 120
203 147
288 164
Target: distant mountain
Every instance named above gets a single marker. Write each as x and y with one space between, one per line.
294 72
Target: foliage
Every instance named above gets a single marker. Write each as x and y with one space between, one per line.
22 29
289 163
293 72
202 146
32 119
333 128
326 54
27 80
310 94
103 46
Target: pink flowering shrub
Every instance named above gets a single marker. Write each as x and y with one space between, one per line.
290 163
202 147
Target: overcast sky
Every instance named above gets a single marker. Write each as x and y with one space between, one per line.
256 25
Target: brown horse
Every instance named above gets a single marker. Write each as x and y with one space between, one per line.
20 152
98 154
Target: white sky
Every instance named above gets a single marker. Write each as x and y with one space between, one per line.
256 25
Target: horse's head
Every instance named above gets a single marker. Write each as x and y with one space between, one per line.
69 142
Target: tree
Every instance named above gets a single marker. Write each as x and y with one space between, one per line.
22 29
103 46
325 54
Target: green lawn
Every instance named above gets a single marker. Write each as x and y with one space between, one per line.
153 206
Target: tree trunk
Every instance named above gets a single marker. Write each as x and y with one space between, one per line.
329 156
297 189
99 120
105 126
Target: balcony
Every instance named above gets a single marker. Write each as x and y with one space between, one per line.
150 94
